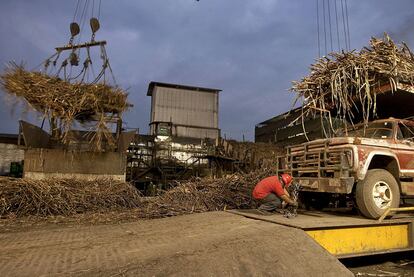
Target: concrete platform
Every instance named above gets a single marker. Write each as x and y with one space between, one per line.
345 235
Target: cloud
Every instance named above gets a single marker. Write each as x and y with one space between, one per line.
252 50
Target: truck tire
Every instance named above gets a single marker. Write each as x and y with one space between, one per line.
376 193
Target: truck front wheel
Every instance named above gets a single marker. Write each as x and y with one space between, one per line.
376 193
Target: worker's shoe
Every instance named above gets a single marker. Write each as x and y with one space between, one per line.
278 211
263 212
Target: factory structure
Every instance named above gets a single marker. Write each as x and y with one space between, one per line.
184 111
183 135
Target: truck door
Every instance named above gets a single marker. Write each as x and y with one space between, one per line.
405 154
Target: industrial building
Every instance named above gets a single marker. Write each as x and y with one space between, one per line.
184 111
183 133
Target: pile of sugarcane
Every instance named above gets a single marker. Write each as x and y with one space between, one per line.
204 194
348 82
23 197
65 102
66 197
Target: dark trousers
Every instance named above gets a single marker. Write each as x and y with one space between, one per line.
270 203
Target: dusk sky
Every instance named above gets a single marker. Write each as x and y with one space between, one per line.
250 49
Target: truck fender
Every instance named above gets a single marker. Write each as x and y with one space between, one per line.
364 165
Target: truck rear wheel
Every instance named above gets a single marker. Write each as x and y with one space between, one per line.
376 193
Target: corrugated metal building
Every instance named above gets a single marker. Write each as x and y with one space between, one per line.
184 111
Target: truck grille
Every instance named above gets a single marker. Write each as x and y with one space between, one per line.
316 160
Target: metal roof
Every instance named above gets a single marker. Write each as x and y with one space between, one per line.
167 85
12 136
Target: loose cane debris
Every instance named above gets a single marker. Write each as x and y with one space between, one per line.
65 197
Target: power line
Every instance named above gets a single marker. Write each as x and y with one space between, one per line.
76 11
330 25
99 10
317 24
347 25
341 17
344 25
337 27
324 25
83 18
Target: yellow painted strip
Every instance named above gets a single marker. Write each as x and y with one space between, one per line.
362 239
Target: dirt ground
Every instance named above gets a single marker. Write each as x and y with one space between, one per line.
209 244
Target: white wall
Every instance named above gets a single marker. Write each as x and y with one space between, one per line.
9 153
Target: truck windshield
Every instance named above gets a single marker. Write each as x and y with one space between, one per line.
377 130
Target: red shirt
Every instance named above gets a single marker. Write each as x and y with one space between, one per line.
268 185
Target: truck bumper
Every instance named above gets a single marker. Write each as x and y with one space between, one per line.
331 185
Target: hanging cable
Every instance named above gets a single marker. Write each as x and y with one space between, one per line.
344 25
76 11
317 25
86 63
337 27
64 64
347 24
104 66
99 10
45 63
109 65
83 18
84 11
324 26
92 70
68 69
330 25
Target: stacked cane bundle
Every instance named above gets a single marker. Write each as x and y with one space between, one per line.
65 102
348 81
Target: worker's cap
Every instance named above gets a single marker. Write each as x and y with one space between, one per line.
287 179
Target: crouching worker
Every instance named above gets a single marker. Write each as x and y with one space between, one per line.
271 191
